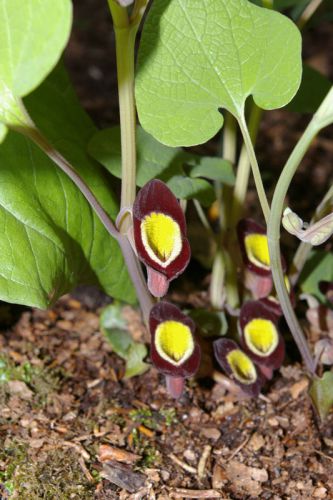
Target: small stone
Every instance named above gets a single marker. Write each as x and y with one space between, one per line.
320 492
165 475
297 388
19 388
189 455
273 422
259 475
211 433
256 442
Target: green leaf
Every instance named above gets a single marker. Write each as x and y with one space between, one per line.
51 240
114 327
33 35
185 188
319 267
311 93
211 324
155 160
134 365
321 393
212 168
196 57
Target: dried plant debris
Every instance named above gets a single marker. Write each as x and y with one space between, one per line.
71 425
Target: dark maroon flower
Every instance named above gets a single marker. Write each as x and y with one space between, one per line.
238 366
254 248
160 235
326 288
260 337
174 349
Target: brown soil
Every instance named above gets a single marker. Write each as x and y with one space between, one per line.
71 427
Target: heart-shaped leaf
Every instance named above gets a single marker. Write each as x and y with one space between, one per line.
33 35
51 239
196 57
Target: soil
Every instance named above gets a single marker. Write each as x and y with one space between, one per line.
71 425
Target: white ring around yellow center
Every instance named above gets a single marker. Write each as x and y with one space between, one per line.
161 238
261 336
174 342
256 247
242 366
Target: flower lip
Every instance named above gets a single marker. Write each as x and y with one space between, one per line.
160 230
260 337
254 247
238 365
174 349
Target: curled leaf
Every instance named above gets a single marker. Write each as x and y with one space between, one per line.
315 234
321 393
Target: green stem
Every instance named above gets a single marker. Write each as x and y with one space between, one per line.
304 249
202 217
268 4
224 193
125 32
273 234
243 172
133 266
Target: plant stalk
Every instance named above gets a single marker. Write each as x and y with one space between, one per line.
273 235
255 170
125 33
244 167
132 264
308 13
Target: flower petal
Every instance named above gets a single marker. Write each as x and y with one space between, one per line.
174 350
254 247
238 365
260 336
160 230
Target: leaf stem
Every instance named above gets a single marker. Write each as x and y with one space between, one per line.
308 13
133 266
125 29
273 235
248 159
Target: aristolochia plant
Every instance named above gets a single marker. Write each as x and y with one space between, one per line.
201 65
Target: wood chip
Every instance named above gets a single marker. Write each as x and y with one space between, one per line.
182 464
122 476
300 386
219 477
180 492
108 453
203 461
